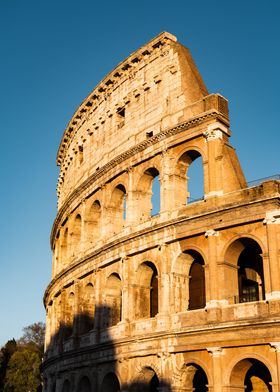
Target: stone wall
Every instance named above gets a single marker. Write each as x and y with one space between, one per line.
187 299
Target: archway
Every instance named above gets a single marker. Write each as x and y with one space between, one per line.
247 284
190 178
194 378
84 385
63 252
148 194
110 383
251 375
196 282
75 235
93 222
113 300
147 381
147 291
195 177
69 315
118 208
66 386
87 309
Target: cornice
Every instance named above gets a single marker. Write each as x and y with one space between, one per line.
128 154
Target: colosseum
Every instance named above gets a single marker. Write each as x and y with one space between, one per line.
153 290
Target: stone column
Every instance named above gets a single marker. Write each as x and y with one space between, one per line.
216 353
126 289
214 139
164 293
77 303
272 222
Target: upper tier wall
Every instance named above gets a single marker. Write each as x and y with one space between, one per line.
155 88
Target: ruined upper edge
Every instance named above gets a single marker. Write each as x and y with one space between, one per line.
97 94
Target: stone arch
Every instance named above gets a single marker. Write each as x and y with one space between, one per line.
64 246
118 207
113 292
93 222
193 377
146 381
244 271
69 314
189 281
110 383
183 182
148 203
53 387
147 291
84 385
197 295
75 234
66 387
251 375
86 316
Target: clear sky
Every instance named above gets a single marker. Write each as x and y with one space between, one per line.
52 55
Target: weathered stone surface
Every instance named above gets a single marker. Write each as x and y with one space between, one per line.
173 302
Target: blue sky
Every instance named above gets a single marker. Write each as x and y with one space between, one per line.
52 55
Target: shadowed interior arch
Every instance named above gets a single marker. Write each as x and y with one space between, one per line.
147 297
251 375
113 300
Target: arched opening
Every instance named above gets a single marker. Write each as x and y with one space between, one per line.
110 383
93 222
195 176
84 385
147 292
76 235
118 208
251 375
200 381
66 386
87 312
250 273
69 315
196 282
189 181
246 283
113 300
148 194
147 381
194 378
63 256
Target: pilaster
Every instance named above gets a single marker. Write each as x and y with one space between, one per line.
272 222
216 353
214 139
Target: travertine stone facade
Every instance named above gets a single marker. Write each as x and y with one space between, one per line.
187 299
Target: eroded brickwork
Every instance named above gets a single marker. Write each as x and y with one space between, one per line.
184 300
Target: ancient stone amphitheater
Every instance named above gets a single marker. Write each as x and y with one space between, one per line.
152 290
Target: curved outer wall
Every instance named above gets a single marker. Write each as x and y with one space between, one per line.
192 293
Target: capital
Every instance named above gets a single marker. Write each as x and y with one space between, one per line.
272 217
276 346
215 351
211 233
215 131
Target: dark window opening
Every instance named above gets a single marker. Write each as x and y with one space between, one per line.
197 284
